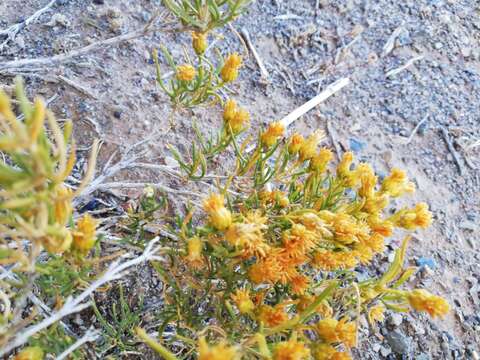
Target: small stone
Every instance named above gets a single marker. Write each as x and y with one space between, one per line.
59 19
438 45
356 145
396 319
385 351
117 114
425 261
399 343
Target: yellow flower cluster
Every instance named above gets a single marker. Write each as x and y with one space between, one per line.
274 131
186 72
236 118
334 331
328 352
220 216
422 300
291 350
229 71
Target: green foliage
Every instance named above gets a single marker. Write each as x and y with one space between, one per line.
205 15
118 324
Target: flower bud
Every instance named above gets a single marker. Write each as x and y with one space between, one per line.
199 42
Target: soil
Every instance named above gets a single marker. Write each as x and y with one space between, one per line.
304 49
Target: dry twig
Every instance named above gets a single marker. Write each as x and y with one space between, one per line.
11 32
452 150
415 129
390 44
263 69
115 271
398 70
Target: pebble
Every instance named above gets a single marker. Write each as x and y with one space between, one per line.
396 319
399 343
424 261
438 45
356 145
385 351
59 19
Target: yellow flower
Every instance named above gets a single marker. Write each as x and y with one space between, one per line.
243 302
330 260
411 219
229 70
291 350
397 183
273 132
186 72
229 110
265 271
422 300
327 330
299 284
376 313
320 161
249 237
221 351
364 253
344 172
328 352
346 228
220 217
199 42
380 226
238 119
309 146
298 241
295 143
194 251
30 353
364 172
272 315
333 331
84 234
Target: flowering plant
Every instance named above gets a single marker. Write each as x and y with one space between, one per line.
268 270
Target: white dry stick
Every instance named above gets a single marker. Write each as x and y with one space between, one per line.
309 105
263 69
415 129
398 70
13 30
343 50
390 44
89 336
115 271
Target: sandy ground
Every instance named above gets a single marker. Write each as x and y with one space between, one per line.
305 49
